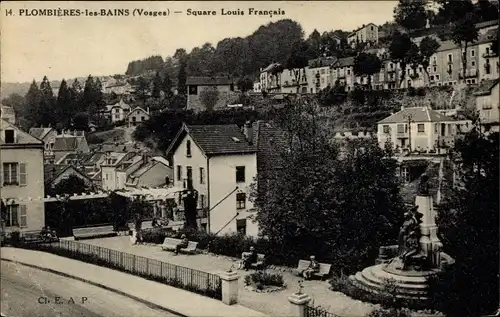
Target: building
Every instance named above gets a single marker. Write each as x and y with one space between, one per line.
118 88
420 129
257 87
319 74
88 163
220 89
21 179
137 116
8 114
288 81
487 104
119 111
221 163
113 163
69 142
488 60
342 71
365 34
270 78
148 171
55 173
48 136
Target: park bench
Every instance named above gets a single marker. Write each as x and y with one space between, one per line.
36 237
93 232
324 269
169 244
261 260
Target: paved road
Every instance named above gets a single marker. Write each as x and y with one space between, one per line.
27 292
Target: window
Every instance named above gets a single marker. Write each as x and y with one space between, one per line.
431 77
193 90
436 128
188 148
202 175
142 118
179 172
402 128
405 175
202 201
434 69
420 128
10 176
437 77
348 72
189 172
487 51
473 63
12 216
450 58
386 129
472 53
450 68
434 60
240 174
9 136
241 226
322 71
241 199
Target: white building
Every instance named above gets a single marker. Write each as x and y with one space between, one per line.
221 162
137 116
365 34
118 111
319 74
487 104
420 129
21 179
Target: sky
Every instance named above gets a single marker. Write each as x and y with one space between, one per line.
76 46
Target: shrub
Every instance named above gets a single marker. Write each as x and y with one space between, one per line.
261 278
390 313
15 238
156 235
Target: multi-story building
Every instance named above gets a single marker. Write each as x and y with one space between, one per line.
365 34
319 74
487 104
69 142
137 116
115 161
21 179
343 71
222 87
270 78
488 60
118 112
221 163
257 87
288 81
48 136
420 129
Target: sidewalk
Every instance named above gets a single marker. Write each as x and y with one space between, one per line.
162 296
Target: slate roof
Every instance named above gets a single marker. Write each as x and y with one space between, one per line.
485 87
417 114
21 136
67 143
344 62
52 171
270 67
214 139
321 62
209 81
360 28
39 133
488 37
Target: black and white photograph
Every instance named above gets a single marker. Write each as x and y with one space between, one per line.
249 158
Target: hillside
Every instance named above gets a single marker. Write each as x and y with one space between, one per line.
7 89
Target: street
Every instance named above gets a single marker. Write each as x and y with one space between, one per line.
31 292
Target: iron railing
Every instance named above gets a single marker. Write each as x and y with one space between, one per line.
318 311
199 282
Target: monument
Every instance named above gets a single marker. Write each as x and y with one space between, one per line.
415 258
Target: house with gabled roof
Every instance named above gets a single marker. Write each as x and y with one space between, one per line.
420 129
48 136
488 105
137 116
55 173
221 162
69 143
222 86
21 179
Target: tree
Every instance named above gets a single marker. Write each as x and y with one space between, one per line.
209 97
367 64
298 61
428 47
468 224
399 48
47 103
166 85
464 32
314 42
81 121
157 86
329 195
411 14
487 11
451 11
142 89
16 102
245 84
181 77
69 186
64 108
32 110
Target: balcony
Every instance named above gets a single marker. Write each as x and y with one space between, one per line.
490 54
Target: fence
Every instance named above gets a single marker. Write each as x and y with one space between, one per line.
317 312
199 282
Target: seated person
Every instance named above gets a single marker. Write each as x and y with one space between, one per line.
155 223
44 232
184 243
312 268
249 259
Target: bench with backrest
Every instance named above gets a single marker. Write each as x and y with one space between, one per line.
261 260
324 269
35 237
93 232
169 244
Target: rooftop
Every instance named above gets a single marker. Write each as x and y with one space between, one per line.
67 142
485 87
39 133
209 81
416 114
322 62
22 138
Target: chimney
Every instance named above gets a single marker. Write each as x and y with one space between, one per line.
248 132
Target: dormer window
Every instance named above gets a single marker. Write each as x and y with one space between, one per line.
9 136
188 148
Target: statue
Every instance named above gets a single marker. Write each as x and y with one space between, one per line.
409 248
423 186
404 231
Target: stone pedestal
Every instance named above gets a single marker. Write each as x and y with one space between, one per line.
429 241
298 304
229 287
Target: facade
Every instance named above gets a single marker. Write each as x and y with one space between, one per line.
221 163
256 86
365 34
54 173
420 129
119 111
69 142
288 81
270 78
149 172
319 74
487 104
21 179
137 116
343 71
222 87
48 136
111 179
488 60
8 114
